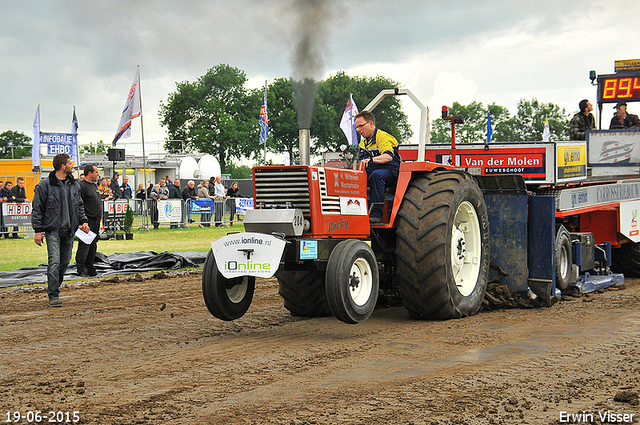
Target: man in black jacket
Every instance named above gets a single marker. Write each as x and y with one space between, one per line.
582 122
5 196
188 193
623 120
18 191
93 209
115 186
57 212
5 193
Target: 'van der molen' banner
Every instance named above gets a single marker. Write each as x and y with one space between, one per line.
59 143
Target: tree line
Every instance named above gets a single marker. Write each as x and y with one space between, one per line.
526 125
217 115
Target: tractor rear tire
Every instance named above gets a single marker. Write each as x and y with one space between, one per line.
626 259
352 281
303 293
442 246
226 299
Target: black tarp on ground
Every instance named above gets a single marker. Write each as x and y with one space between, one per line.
106 265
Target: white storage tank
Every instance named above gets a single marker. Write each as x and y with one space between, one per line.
209 167
188 169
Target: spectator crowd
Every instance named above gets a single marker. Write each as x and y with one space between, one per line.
223 198
118 187
11 193
213 189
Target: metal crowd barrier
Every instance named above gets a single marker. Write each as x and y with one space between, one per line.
16 232
201 212
15 218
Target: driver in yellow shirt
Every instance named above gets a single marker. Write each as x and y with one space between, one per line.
382 165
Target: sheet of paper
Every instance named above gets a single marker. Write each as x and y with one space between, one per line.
87 238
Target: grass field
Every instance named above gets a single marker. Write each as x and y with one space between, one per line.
17 253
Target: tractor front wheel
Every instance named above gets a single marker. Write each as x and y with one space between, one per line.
352 281
226 299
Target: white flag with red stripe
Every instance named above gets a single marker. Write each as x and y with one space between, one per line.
131 110
348 122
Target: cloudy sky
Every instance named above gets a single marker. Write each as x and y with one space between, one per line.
61 53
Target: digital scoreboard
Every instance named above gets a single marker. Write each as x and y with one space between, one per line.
619 87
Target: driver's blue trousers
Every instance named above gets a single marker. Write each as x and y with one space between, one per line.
377 180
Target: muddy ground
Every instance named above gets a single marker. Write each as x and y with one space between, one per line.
147 351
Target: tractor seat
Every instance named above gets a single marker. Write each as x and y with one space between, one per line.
390 192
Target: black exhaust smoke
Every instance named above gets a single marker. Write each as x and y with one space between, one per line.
308 63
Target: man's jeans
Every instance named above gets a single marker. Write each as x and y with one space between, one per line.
378 179
218 207
59 249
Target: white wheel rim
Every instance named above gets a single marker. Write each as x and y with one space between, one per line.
564 262
466 248
360 282
237 292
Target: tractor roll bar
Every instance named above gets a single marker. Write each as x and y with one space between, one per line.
425 136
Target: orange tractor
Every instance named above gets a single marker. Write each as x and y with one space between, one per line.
554 213
310 229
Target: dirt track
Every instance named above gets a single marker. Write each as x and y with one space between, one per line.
147 351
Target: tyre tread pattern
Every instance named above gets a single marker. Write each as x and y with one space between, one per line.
421 247
626 259
215 296
303 293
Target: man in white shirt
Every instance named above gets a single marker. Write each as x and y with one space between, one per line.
218 187
218 201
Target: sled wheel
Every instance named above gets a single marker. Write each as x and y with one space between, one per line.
352 281
563 258
442 246
226 299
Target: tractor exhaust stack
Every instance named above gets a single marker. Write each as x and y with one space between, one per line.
305 146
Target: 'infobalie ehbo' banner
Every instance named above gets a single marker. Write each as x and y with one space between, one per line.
59 143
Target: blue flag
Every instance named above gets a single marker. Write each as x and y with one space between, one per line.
489 129
264 121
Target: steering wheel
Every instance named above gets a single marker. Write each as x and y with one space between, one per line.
368 152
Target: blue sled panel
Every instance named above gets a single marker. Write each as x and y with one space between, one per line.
508 229
542 236
506 199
